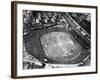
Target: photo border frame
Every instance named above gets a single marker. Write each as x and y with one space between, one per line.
14 37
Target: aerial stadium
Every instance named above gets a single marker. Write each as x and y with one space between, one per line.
56 39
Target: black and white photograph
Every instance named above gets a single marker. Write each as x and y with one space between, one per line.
53 39
56 39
